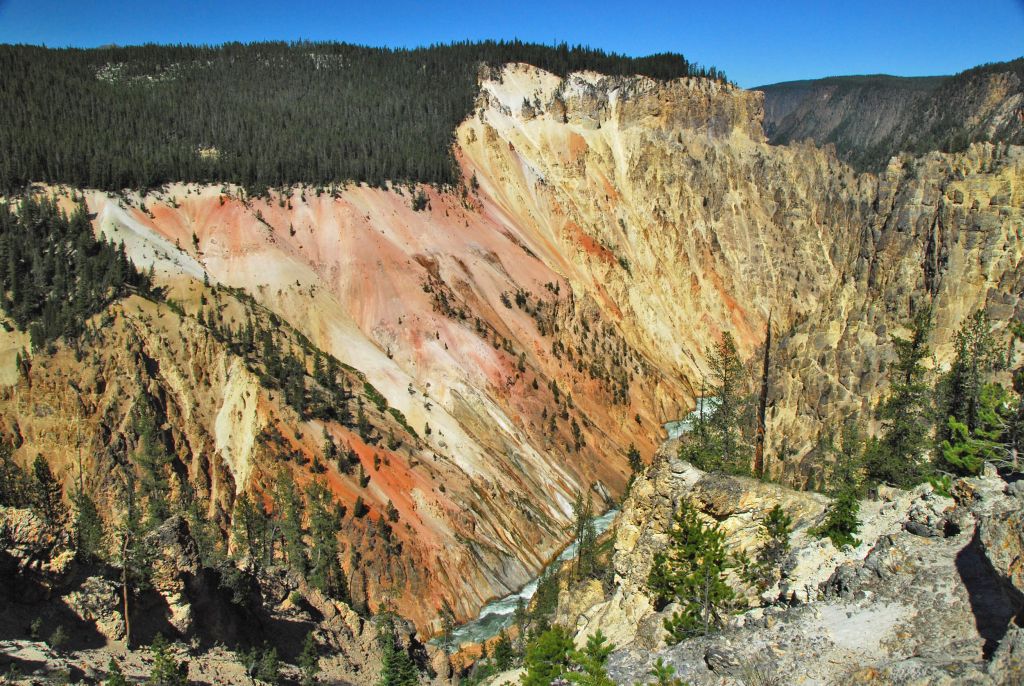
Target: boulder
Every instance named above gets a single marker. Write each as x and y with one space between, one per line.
1001 536
1007 665
98 600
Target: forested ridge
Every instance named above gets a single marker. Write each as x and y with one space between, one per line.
55 274
261 114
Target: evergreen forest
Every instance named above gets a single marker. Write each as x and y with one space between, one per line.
55 273
259 115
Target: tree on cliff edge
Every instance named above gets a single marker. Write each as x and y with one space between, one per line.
717 441
690 571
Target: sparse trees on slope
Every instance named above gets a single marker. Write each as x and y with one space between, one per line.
54 273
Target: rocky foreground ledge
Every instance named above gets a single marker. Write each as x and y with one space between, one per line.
934 593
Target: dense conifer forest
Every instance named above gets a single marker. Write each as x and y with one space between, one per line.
55 274
265 114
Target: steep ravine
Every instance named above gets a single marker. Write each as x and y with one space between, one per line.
561 308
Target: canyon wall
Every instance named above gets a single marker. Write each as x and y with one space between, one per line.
527 329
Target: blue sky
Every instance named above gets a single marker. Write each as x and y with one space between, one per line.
755 42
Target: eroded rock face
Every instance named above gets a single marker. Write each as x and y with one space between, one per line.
1002 537
685 227
927 597
34 558
869 119
98 600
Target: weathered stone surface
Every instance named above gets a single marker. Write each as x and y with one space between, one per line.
98 600
35 559
1002 537
900 608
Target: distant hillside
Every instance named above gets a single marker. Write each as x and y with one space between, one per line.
871 118
263 114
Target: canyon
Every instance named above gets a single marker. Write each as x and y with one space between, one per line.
508 340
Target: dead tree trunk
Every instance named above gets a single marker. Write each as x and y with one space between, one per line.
762 405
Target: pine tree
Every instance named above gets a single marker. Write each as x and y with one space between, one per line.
842 521
896 457
975 416
585 537
447 616
165 670
547 657
959 390
774 531
288 519
664 674
309 661
545 598
268 668
1015 420
325 571
134 555
718 442
633 456
153 462
503 652
397 668
15 486
590 662
250 531
967 449
88 528
47 493
690 571
115 676
521 618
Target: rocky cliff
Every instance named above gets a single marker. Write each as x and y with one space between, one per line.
931 594
871 118
509 341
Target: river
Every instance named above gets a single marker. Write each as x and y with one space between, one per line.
499 614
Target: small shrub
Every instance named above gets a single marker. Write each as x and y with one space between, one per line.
58 639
